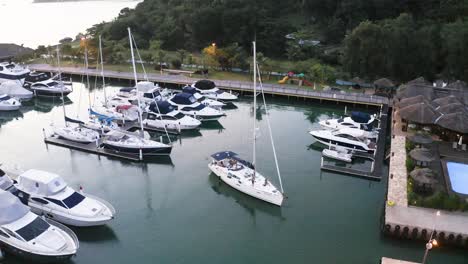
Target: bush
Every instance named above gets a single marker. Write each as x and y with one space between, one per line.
176 64
409 146
410 164
452 203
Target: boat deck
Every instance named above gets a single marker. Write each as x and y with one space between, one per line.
377 158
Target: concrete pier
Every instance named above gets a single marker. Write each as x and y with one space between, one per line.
395 261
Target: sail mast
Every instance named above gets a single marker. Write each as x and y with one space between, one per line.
130 38
254 108
102 70
60 84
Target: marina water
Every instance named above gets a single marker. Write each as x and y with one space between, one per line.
173 210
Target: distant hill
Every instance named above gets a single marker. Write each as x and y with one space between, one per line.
13 50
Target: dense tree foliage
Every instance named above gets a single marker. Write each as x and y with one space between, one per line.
400 39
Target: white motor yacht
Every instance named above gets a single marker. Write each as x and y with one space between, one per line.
16 90
209 90
357 120
26 235
187 104
161 114
241 175
13 72
50 88
131 143
201 99
346 138
8 103
49 195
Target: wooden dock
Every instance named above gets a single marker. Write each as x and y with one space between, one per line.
239 86
377 158
395 261
94 148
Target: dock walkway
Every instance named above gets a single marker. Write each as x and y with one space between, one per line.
395 261
240 86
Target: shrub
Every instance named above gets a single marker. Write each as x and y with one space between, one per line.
176 64
451 202
410 165
409 146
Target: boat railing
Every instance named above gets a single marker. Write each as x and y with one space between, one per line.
106 203
66 230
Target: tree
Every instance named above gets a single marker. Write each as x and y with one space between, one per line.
181 53
323 73
41 49
65 40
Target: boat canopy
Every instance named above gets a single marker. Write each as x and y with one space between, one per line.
145 86
184 99
360 117
11 208
127 89
189 89
231 155
41 183
205 85
152 94
164 107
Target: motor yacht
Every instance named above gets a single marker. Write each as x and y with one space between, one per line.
347 138
201 99
188 105
209 90
8 103
357 120
161 114
13 72
26 235
50 88
14 89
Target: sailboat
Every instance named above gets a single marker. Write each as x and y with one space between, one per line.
77 133
241 174
132 143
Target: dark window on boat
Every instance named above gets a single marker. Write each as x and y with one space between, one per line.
1 68
33 229
167 117
57 202
73 200
179 116
10 66
3 234
39 200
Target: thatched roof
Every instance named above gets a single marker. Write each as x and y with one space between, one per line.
411 90
421 139
445 100
411 100
423 176
457 122
451 108
458 85
420 81
421 113
422 154
384 83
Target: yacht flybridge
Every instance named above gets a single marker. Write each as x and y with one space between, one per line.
12 72
357 120
242 175
201 99
24 234
351 139
187 104
49 195
209 90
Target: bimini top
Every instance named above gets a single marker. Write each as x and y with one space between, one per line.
11 209
205 85
164 107
360 117
41 183
231 155
5 181
184 99
189 89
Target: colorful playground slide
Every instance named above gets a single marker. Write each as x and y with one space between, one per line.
284 80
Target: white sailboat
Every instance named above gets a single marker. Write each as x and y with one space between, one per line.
241 174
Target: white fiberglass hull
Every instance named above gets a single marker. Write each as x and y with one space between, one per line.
246 186
337 155
8 107
80 135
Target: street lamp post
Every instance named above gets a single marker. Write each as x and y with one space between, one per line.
432 241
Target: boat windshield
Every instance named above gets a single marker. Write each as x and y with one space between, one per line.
10 66
33 229
219 91
52 83
73 200
179 116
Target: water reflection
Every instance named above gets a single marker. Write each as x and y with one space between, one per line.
6 117
95 234
46 104
250 204
214 125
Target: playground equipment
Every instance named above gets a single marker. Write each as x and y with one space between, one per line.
284 80
299 78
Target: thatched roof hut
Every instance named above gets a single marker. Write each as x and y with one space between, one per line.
423 177
451 99
458 85
422 139
384 83
457 122
421 113
411 100
422 154
419 81
451 108
411 90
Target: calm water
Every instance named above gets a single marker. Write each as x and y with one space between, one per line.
33 24
174 211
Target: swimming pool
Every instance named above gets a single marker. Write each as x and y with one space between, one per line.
458 174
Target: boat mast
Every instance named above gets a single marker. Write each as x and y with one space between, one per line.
130 38
254 108
61 84
88 86
102 71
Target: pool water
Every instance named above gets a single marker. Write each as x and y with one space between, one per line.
458 174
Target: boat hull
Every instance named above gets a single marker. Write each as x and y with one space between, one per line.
64 219
273 199
46 93
145 151
35 258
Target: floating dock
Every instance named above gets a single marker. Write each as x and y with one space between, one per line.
395 261
377 158
239 86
